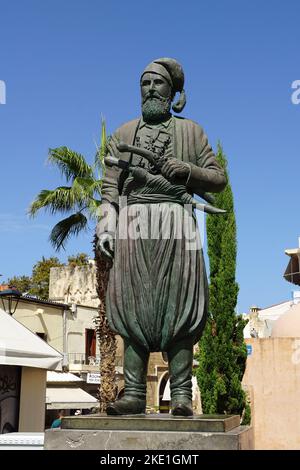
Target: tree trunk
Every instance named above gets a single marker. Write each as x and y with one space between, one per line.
107 339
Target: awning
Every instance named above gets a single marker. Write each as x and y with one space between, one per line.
69 398
20 347
167 394
292 273
62 377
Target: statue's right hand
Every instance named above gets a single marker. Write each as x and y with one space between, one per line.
106 244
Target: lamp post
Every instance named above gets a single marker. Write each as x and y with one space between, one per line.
10 299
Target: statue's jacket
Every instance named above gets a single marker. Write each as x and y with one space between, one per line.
157 292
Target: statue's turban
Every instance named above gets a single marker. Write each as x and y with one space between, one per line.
172 71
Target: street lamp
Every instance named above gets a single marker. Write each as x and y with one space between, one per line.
10 298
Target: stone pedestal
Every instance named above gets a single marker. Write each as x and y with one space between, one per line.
150 432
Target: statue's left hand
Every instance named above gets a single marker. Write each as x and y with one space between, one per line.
176 170
106 245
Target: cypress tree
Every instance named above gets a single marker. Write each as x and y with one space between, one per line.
222 350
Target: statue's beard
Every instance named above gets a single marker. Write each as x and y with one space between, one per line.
156 109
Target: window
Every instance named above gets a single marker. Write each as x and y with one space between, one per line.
90 342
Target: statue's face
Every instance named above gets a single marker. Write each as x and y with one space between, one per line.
152 85
156 97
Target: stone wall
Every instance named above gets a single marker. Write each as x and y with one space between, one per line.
273 379
74 285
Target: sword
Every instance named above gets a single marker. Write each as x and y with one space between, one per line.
156 162
186 198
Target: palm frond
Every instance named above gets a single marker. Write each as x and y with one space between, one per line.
61 199
82 198
71 164
94 208
87 188
64 229
101 150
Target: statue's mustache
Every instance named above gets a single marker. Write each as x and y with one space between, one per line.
153 95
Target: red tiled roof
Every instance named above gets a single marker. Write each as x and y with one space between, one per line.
4 287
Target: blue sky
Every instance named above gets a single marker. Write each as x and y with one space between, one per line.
67 62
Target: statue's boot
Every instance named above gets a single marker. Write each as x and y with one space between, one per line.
180 358
135 375
126 405
179 408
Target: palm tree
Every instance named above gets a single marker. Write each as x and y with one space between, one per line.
80 202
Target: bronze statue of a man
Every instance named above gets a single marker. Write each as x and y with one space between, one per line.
157 293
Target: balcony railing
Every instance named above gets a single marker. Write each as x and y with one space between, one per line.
84 359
